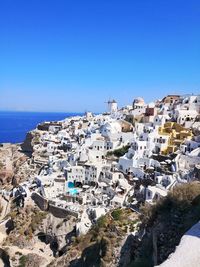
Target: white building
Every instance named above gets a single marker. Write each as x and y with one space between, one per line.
75 174
112 106
110 129
186 116
139 107
160 120
154 193
92 173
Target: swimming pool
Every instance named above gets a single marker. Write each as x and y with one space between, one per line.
73 191
70 185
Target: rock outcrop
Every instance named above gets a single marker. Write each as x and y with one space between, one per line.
187 252
13 163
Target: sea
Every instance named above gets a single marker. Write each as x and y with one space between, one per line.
14 125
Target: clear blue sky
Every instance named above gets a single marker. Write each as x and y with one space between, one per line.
69 55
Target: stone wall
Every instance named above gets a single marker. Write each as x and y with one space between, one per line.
60 212
40 201
45 205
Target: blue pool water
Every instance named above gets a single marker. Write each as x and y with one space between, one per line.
70 185
15 125
73 191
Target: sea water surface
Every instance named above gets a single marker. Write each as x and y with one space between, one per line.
15 125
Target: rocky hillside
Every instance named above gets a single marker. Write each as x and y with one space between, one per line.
32 138
16 161
165 223
30 237
13 163
112 242
104 244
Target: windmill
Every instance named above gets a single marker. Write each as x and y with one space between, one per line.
112 106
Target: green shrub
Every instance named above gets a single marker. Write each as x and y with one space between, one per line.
22 261
102 222
117 214
119 152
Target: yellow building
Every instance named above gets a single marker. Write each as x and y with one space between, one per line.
176 133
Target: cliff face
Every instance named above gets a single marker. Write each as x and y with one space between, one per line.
15 160
165 223
32 238
105 245
13 163
27 145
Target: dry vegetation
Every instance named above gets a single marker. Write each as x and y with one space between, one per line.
30 260
169 219
23 225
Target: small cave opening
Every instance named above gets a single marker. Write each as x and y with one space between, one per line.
9 226
5 258
45 238
51 240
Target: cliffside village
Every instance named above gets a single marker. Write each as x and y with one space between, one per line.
93 163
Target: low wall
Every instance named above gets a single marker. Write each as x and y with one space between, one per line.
45 205
40 201
60 212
